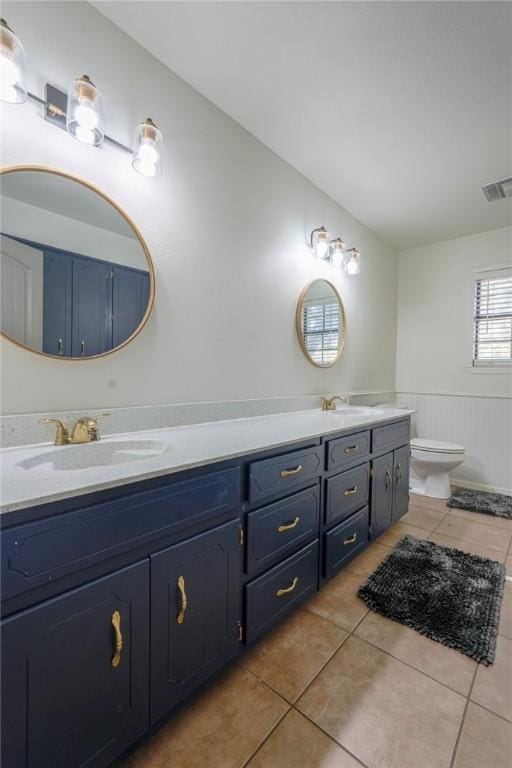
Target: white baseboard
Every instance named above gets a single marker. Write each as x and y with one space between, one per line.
480 486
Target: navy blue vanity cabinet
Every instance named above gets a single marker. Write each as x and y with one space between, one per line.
57 300
401 463
75 675
284 474
347 492
130 296
381 494
91 307
345 541
195 612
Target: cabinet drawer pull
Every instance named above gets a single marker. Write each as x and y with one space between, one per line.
180 618
351 448
399 474
388 479
290 472
82 348
59 346
352 539
350 491
116 624
288 526
287 590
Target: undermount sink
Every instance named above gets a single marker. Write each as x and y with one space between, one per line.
356 410
98 454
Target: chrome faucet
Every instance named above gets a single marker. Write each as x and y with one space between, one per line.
85 430
329 404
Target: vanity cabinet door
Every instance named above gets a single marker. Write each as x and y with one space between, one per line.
195 588
92 307
381 494
57 290
70 698
129 301
401 461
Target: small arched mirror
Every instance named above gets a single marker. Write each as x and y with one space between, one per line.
321 325
77 277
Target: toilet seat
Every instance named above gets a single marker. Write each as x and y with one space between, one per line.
435 446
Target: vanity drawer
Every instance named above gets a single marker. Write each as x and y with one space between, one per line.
271 596
347 492
345 541
346 450
274 477
41 552
390 436
274 531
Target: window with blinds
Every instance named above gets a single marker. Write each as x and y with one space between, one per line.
321 327
493 319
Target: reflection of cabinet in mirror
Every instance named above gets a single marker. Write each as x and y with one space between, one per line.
89 306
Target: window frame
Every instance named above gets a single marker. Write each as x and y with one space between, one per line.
501 271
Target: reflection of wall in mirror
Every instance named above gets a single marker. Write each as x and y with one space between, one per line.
42 226
22 292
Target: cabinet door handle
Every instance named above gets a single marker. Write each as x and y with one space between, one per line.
351 448
399 474
388 479
350 491
287 590
352 539
288 526
180 618
82 348
116 624
290 472
59 346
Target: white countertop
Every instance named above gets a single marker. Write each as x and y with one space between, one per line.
37 474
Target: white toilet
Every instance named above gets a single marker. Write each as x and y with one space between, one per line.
431 464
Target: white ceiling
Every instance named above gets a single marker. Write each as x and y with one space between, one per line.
398 110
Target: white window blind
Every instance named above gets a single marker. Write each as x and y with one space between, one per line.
493 319
321 331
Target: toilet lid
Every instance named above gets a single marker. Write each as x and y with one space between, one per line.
421 444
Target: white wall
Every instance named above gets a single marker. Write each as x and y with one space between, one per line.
455 401
226 225
23 220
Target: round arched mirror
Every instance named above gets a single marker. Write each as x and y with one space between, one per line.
321 325
77 278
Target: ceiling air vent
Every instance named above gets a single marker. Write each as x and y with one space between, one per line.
497 190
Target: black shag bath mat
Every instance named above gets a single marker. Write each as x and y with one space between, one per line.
448 595
497 504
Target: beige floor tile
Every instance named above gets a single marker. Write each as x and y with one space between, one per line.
508 564
382 711
422 517
367 561
338 601
477 517
417 500
290 657
460 528
444 664
467 546
221 729
397 531
297 743
493 684
486 741
506 612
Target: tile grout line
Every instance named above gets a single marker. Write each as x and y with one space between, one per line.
269 734
331 738
463 720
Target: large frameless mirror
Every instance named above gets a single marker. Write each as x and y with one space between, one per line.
77 277
321 325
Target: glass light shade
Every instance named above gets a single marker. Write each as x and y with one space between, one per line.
84 118
12 66
352 265
320 243
147 149
337 252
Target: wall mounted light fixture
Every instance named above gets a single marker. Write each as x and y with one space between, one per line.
80 111
334 251
12 66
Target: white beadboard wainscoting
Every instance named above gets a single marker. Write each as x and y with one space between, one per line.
483 425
